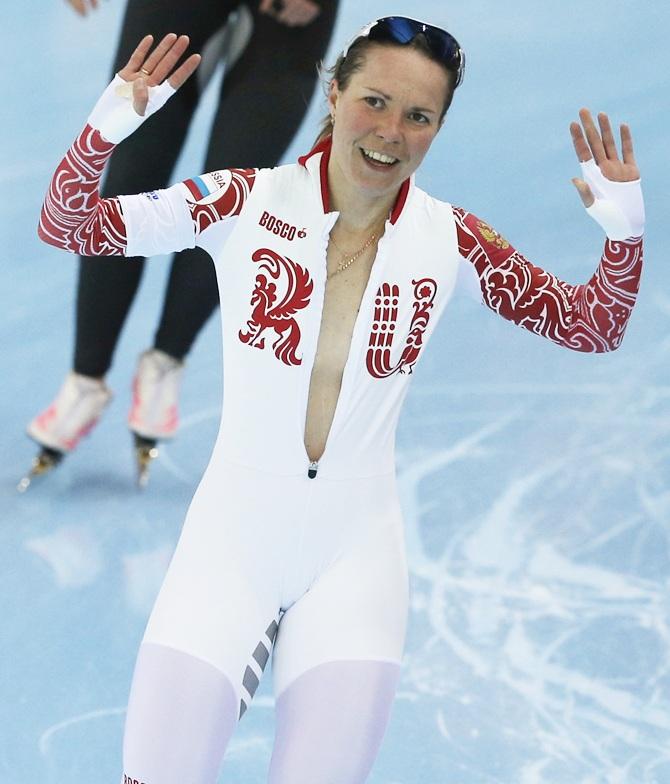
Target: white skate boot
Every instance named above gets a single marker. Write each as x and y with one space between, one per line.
59 428
154 413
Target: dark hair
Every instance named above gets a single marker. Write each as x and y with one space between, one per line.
346 67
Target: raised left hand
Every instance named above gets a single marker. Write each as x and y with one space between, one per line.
142 86
148 68
600 146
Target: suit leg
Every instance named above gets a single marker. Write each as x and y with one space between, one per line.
181 714
331 721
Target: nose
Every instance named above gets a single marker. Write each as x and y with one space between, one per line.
389 128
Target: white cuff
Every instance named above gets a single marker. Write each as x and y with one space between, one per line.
619 207
114 116
158 222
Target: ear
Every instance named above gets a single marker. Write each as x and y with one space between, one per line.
333 96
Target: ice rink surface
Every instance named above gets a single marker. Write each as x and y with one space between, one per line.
535 481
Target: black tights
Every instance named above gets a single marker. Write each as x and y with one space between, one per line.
263 100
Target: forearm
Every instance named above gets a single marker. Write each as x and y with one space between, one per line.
601 308
73 216
590 318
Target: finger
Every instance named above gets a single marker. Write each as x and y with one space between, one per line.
94 3
137 58
140 95
585 193
608 137
169 60
288 17
579 142
592 136
310 9
302 13
627 145
158 53
78 6
311 12
266 7
184 71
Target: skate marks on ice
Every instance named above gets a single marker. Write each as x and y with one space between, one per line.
237 749
48 736
76 558
539 551
73 554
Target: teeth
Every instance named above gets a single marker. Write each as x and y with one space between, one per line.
379 156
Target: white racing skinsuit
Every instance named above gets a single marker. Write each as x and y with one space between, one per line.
279 555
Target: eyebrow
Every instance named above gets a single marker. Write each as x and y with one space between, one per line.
389 98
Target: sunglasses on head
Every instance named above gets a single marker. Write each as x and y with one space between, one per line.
402 30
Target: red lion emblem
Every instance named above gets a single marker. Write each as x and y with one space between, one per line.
383 328
272 312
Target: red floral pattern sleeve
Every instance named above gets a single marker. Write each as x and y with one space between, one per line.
590 318
74 217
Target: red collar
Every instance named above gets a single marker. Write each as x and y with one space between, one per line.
325 146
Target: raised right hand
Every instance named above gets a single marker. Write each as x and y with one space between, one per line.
601 147
610 186
147 69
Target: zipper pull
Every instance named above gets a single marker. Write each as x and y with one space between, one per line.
313 468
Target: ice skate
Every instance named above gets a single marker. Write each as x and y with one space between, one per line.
154 413
59 428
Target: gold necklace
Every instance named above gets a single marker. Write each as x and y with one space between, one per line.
347 259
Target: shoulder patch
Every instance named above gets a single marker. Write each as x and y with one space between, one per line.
207 188
491 236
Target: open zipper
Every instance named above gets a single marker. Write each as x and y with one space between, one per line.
372 284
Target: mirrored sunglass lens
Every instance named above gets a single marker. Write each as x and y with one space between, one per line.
443 44
402 30
394 28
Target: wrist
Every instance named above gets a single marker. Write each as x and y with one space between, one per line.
618 206
114 116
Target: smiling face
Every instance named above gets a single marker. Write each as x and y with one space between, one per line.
386 118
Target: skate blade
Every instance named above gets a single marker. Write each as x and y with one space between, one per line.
45 462
146 451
